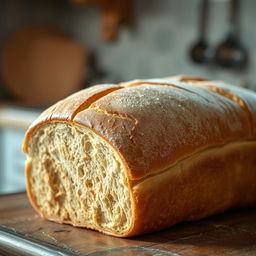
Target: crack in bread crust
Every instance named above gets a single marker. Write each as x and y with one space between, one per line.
125 117
86 104
235 98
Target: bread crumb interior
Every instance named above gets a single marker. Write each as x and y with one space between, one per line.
76 177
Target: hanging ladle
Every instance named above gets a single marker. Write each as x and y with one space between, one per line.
231 53
200 51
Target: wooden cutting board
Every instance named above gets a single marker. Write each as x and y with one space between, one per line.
41 65
233 233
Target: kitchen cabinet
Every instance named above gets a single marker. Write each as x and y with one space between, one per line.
13 124
12 162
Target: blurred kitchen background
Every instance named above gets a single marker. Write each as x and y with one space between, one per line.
50 49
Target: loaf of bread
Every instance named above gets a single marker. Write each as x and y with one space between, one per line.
141 156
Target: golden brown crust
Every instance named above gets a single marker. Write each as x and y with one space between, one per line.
245 98
67 108
183 144
204 184
179 121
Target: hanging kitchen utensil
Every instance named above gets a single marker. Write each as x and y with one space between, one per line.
200 51
231 53
41 64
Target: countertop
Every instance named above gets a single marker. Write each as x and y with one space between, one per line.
21 229
16 116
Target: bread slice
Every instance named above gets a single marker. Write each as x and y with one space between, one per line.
76 177
141 156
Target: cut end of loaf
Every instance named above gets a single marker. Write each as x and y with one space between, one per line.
75 177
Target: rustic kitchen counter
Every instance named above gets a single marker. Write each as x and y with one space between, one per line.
22 231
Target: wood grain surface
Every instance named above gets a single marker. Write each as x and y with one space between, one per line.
232 233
